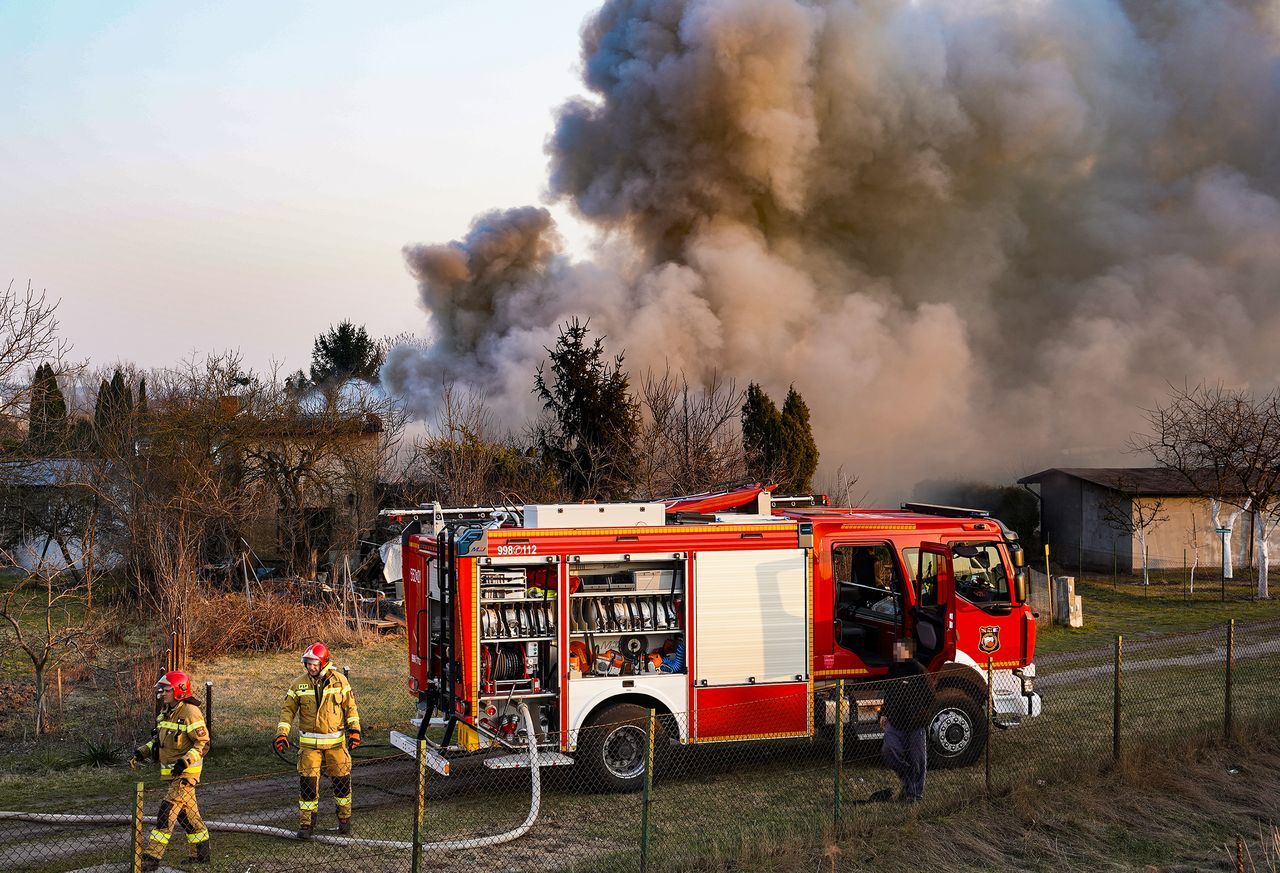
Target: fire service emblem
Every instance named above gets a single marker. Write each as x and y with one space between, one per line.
989 638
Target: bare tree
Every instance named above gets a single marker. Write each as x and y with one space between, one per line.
1193 545
462 459
1134 516
28 336
44 613
1215 511
168 478
689 440
1226 444
319 460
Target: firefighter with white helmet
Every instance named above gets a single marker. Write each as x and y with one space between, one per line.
180 742
325 706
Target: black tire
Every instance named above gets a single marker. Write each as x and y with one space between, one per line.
957 731
614 747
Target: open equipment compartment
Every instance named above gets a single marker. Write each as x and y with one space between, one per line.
626 618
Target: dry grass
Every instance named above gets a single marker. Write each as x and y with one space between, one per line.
217 625
1171 809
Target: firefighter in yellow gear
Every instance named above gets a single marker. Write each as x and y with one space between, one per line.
180 742
325 707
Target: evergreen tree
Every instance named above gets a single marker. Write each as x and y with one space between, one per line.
762 436
114 403
591 435
142 395
345 352
48 413
102 406
799 447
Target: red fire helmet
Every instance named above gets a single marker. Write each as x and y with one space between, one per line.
316 652
177 680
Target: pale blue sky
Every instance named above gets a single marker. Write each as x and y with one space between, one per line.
203 176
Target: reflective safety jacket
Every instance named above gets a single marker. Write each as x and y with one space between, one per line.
325 708
180 735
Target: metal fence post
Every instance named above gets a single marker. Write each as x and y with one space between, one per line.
208 708
420 805
990 722
135 864
647 797
1119 686
1048 582
840 709
1227 725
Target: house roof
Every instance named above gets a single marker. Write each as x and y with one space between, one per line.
1135 481
40 472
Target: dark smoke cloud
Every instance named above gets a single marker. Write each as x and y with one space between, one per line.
974 234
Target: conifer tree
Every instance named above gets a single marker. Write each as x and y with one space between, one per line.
762 436
48 413
799 446
593 420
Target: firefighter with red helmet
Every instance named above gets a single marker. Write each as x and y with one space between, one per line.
328 728
180 742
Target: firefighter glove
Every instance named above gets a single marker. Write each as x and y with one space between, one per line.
282 744
353 740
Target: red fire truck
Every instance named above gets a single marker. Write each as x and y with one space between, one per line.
730 614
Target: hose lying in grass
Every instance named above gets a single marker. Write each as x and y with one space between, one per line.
535 803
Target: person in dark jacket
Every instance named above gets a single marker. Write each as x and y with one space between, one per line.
908 705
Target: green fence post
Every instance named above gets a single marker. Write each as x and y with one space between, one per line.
135 864
646 797
991 712
1227 726
840 710
1115 711
421 806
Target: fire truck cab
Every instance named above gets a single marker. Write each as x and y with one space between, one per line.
732 615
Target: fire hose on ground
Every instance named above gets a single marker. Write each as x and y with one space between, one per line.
535 803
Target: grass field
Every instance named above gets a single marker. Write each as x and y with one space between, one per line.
1127 607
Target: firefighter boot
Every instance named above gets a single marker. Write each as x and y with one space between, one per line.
150 863
344 826
203 854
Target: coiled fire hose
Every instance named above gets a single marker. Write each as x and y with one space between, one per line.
535 803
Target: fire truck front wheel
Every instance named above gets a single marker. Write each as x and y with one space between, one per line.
957 732
615 747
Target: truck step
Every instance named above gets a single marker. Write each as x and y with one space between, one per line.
409 746
516 762
438 721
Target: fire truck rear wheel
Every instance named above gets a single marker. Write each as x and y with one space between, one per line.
957 732
615 747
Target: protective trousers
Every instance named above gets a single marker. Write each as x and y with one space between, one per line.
179 807
337 765
906 754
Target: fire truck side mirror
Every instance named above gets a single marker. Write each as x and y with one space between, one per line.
1020 584
1017 555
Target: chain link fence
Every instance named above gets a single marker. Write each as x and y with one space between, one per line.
664 803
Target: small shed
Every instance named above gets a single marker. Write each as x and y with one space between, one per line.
1076 502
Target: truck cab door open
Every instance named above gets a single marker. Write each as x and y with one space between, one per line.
934 612
868 609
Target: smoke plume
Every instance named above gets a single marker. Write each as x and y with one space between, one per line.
977 236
